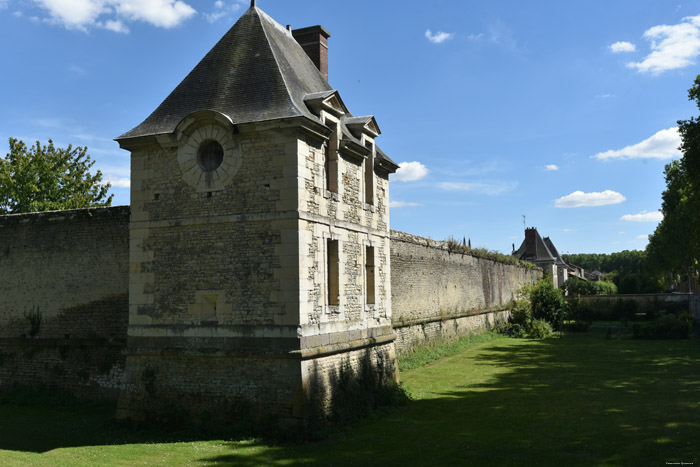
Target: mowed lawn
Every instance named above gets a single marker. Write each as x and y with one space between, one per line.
577 400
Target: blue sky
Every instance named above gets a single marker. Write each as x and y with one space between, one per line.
564 112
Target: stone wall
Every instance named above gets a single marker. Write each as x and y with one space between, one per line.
63 299
437 293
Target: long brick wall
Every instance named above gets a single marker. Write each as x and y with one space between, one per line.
64 299
437 293
70 268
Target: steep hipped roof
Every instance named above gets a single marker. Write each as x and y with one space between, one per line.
542 253
256 72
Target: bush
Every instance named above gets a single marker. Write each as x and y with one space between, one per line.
547 302
540 329
576 286
521 313
666 327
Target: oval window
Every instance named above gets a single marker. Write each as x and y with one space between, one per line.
210 156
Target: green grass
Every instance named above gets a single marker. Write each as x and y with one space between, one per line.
577 400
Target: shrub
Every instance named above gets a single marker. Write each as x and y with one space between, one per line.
547 302
540 329
576 286
521 313
666 327
512 330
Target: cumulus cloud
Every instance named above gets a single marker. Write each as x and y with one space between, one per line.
621 47
551 167
662 145
439 37
484 188
642 237
672 47
222 10
403 204
579 199
111 14
644 216
410 172
118 182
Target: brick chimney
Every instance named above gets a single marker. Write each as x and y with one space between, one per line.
314 41
531 243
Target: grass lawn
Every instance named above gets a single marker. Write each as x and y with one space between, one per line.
577 400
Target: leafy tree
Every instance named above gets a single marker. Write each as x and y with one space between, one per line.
675 244
546 301
45 178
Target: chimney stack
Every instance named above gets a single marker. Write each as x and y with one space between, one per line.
531 243
314 41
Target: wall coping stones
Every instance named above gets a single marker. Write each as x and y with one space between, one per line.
72 215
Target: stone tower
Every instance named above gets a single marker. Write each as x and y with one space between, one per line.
259 235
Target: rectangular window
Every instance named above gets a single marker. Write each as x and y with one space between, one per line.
332 272
369 174
330 158
369 274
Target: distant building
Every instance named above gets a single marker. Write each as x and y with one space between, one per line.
542 252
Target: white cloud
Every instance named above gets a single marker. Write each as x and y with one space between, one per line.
111 14
551 167
116 26
484 188
118 182
644 216
620 47
403 204
161 13
4 4
579 199
410 172
439 37
223 11
672 47
662 145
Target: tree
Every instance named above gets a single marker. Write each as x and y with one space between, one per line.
675 244
45 178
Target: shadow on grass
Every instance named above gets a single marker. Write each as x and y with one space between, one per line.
579 400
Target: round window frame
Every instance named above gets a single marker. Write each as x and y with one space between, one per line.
193 137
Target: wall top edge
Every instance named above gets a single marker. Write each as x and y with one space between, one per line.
107 212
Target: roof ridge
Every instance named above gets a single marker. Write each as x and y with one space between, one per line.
267 17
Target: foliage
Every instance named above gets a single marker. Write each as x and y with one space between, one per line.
628 270
45 178
521 312
674 247
576 286
547 302
455 246
540 329
665 327
34 318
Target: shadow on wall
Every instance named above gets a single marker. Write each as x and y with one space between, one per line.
352 391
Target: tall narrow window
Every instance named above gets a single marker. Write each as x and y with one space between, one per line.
369 274
332 272
369 174
330 162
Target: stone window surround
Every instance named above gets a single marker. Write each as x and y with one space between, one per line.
194 131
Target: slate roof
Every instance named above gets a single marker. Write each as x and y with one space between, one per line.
256 72
542 251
